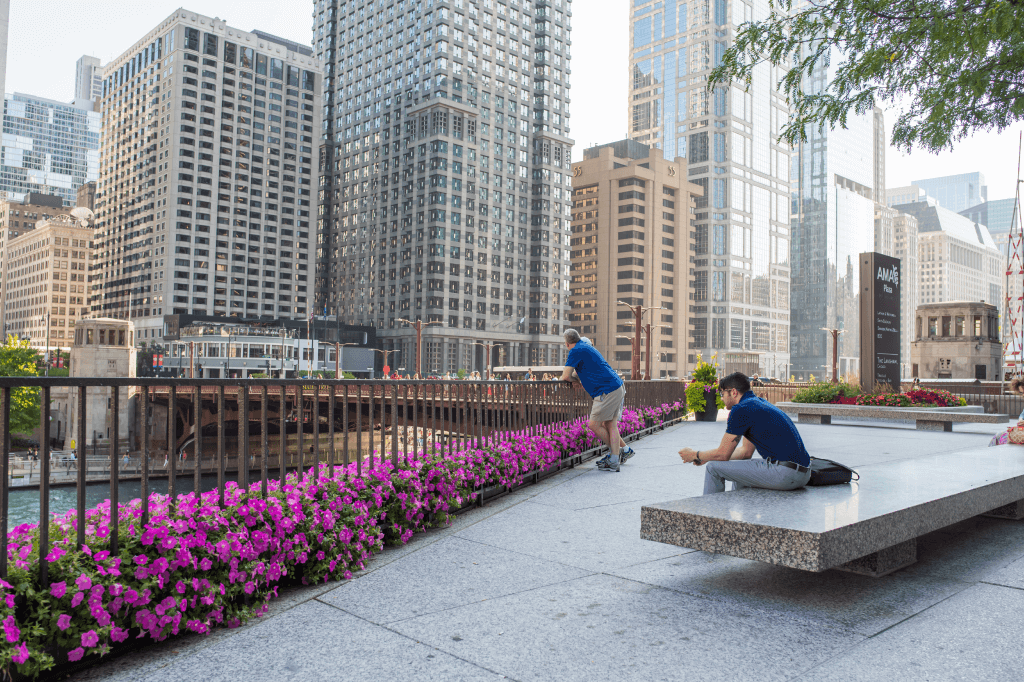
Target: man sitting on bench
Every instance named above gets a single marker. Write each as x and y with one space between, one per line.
764 427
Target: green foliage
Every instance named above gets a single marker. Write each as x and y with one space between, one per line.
18 359
462 373
348 375
706 372
950 67
825 392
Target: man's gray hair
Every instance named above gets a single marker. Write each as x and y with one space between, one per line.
571 336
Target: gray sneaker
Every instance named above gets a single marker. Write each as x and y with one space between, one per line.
626 454
603 460
608 465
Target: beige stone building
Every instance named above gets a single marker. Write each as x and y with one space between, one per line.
46 275
896 235
956 340
103 347
16 218
632 242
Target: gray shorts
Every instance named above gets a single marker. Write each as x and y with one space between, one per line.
608 407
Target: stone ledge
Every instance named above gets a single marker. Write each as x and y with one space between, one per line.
937 414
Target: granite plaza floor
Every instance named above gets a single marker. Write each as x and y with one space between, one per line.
554 583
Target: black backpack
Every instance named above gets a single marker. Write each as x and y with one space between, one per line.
827 472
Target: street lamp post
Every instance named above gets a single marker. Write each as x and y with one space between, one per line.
418 325
835 351
386 353
337 357
638 315
486 345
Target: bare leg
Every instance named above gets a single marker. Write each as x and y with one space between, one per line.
613 437
600 430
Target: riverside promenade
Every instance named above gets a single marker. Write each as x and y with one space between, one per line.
554 583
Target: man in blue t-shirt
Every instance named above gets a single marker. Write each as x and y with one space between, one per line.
785 464
601 382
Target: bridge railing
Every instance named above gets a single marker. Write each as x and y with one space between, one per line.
279 425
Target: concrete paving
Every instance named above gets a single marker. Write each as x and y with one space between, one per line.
553 583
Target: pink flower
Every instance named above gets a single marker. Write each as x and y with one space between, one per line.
77 599
90 638
11 630
118 635
83 582
76 654
20 654
58 589
63 621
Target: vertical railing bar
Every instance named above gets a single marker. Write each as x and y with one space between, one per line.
5 472
300 428
264 442
344 421
371 401
394 423
172 436
83 470
220 444
433 418
44 486
405 422
198 440
315 419
282 436
115 478
245 445
359 429
331 407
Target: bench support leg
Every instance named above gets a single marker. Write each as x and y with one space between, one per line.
928 425
1013 511
814 418
883 562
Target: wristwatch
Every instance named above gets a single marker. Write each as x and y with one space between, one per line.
697 458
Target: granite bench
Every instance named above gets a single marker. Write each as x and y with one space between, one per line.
868 527
927 418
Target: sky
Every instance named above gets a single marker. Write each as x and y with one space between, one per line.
47 38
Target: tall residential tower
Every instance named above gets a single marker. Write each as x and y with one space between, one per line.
205 199
740 264
445 184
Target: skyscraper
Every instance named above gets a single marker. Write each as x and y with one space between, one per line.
740 265
631 244
445 176
88 79
49 147
956 192
206 191
834 178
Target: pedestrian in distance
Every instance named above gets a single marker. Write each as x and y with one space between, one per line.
601 382
785 464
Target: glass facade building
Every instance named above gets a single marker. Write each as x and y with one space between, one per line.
834 176
49 147
445 176
740 266
956 192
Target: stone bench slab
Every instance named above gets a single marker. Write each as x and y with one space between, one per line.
815 529
929 419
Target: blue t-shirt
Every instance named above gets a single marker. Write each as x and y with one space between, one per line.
596 375
770 430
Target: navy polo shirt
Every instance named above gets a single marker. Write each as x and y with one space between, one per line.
770 430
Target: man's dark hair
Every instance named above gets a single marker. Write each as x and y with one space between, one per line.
737 380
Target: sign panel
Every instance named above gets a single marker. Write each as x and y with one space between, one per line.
880 301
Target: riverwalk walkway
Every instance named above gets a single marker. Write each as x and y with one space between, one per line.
554 583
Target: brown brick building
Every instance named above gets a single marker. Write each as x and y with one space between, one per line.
632 242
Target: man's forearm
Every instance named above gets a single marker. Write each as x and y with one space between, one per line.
716 455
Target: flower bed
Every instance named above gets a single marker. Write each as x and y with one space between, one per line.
204 565
921 397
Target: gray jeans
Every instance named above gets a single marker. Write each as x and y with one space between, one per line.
751 473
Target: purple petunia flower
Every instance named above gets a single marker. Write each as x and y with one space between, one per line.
63 621
58 589
76 654
20 654
90 638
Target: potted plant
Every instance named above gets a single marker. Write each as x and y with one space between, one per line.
702 393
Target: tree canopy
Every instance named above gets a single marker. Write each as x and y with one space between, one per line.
19 359
948 67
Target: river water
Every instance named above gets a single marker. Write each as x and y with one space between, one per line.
24 504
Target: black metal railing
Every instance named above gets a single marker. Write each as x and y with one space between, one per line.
395 418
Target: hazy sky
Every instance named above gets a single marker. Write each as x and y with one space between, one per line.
47 37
